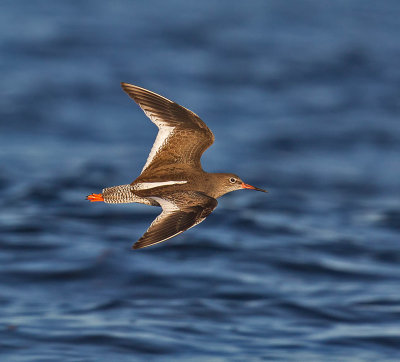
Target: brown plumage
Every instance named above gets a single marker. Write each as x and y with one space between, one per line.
173 177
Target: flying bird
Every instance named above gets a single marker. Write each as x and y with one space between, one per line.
173 177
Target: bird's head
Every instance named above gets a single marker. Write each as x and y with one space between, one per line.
229 182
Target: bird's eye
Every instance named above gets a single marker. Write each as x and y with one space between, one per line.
232 180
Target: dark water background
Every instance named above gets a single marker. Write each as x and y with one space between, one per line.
304 100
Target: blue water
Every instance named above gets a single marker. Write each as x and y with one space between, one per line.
304 100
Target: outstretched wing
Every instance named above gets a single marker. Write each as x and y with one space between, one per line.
181 211
182 136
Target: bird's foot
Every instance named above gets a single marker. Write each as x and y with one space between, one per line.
95 197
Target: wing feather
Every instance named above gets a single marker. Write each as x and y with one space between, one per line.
181 211
182 136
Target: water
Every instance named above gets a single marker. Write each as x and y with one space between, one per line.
303 99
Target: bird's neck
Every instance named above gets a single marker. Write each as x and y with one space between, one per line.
215 182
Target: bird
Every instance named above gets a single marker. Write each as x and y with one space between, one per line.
172 176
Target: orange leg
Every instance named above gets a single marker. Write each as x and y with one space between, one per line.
95 197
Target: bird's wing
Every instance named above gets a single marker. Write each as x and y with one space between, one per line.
182 136
181 211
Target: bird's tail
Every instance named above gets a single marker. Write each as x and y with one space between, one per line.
118 194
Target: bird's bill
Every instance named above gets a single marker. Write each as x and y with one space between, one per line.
247 186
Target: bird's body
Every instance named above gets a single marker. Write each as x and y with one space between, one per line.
173 177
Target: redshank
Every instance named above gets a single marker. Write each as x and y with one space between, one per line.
172 176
